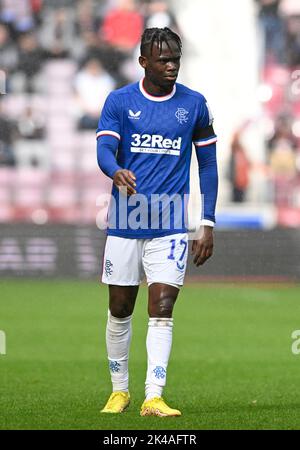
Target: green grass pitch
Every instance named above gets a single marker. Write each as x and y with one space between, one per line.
231 365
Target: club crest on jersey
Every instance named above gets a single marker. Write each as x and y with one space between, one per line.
182 115
134 116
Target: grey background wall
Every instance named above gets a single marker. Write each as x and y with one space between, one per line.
69 251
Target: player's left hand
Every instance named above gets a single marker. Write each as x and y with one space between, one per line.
202 248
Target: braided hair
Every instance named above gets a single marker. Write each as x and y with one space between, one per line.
158 36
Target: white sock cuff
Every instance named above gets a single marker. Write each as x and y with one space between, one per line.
123 358
160 322
111 318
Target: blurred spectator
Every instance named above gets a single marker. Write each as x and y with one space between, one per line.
273 29
293 41
8 52
86 17
283 149
30 149
89 47
239 170
120 33
86 25
59 3
159 15
7 139
92 85
31 125
122 27
57 32
112 60
283 161
290 10
31 59
17 14
36 8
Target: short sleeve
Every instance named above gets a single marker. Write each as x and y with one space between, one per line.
109 122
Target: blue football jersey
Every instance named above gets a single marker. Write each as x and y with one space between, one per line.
155 136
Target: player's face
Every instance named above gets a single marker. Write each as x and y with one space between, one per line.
161 68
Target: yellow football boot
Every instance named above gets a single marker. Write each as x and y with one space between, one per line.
157 407
117 402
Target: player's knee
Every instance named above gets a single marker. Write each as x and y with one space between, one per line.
162 308
121 311
120 306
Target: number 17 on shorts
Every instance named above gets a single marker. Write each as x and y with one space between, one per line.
161 260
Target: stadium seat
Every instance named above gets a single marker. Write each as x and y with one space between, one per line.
5 195
7 176
66 215
26 177
29 152
15 105
95 178
6 213
63 195
29 197
61 104
62 160
62 203
60 69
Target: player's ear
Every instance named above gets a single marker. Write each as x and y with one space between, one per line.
143 61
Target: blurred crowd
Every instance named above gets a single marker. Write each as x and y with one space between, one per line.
101 37
279 30
33 31
280 25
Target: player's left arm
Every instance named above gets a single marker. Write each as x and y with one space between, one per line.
205 143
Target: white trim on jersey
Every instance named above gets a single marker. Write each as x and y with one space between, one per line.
154 98
209 223
210 115
205 142
108 133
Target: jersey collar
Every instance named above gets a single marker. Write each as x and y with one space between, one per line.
154 98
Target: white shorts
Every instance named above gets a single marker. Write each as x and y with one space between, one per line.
162 260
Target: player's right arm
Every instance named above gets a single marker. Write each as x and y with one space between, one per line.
108 138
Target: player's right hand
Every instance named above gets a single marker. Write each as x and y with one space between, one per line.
125 180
